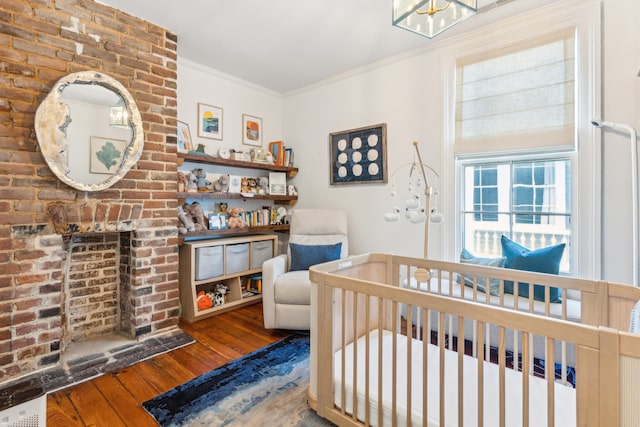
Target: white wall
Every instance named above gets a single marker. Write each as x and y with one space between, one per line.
621 103
200 84
402 93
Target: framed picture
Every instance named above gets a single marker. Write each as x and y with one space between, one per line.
277 183
251 130
210 121
184 137
277 149
359 155
106 154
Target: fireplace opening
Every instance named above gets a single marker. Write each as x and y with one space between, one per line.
97 299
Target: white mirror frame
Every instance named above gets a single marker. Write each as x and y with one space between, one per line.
52 119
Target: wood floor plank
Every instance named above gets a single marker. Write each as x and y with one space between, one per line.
198 358
115 399
61 412
123 402
92 406
136 384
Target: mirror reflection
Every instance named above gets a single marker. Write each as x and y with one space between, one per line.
89 130
98 131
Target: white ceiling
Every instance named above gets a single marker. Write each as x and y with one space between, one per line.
284 45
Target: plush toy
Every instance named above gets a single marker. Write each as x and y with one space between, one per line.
263 185
204 301
292 190
186 222
281 212
195 211
202 183
192 182
253 185
182 181
269 157
222 184
235 221
244 185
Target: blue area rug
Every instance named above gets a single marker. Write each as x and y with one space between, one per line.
265 388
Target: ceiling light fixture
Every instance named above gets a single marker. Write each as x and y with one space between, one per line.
431 17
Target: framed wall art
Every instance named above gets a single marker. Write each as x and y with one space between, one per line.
251 130
210 121
359 156
106 154
184 137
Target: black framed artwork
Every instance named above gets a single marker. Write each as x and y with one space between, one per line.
359 156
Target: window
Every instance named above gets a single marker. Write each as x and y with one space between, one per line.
528 201
514 103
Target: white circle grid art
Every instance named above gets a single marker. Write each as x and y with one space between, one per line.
359 155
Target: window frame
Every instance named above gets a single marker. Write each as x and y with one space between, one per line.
584 18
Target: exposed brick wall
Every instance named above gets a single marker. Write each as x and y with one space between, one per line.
41 41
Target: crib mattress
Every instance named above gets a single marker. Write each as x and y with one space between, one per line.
564 396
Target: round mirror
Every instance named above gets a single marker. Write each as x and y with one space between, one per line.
89 130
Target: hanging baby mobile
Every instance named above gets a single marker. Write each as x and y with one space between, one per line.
418 206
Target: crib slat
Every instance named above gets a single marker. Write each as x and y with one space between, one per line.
480 375
460 371
380 305
354 322
409 361
525 379
550 373
343 390
501 376
441 377
367 362
426 331
394 365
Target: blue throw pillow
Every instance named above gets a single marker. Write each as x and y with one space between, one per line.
304 256
494 284
543 260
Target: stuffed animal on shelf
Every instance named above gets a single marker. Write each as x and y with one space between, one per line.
202 183
253 185
204 301
244 185
263 185
192 182
222 184
186 223
292 190
235 221
195 211
182 181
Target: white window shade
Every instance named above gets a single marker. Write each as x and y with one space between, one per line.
519 98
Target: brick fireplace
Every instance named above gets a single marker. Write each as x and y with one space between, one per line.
73 264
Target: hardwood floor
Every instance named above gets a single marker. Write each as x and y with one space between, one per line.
115 399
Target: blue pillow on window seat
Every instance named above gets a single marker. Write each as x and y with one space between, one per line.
481 281
543 260
304 256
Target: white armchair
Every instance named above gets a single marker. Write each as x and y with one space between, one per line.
315 236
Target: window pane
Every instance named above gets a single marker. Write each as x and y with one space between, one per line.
527 201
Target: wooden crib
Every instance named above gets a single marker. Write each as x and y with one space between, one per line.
399 341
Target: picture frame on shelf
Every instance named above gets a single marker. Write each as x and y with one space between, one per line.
276 148
252 130
184 137
210 121
277 183
359 156
105 155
